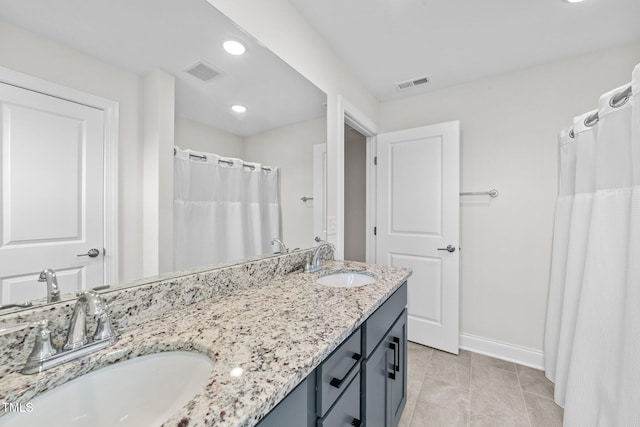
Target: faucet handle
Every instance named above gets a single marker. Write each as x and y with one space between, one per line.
43 349
104 329
307 267
98 308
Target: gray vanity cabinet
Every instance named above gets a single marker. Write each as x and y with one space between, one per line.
297 409
335 374
397 338
338 385
375 379
362 383
385 378
347 409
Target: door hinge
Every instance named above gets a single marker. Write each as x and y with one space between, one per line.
375 231
375 160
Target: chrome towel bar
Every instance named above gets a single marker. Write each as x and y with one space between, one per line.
492 193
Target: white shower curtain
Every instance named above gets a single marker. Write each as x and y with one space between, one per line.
224 209
592 337
564 204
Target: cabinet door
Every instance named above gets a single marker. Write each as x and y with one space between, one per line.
397 338
376 386
379 323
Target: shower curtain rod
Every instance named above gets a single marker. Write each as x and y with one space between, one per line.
616 101
227 162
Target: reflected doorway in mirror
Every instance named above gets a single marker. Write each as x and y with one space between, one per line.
53 173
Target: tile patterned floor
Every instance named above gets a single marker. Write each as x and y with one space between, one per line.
472 390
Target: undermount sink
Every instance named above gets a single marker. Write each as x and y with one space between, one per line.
349 279
144 391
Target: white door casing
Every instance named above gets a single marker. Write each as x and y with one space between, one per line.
52 193
417 216
319 191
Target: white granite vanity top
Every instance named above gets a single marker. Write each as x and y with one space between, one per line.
277 332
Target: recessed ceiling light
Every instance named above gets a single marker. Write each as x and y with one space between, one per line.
573 1
239 108
234 47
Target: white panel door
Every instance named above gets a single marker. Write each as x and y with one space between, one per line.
417 219
51 190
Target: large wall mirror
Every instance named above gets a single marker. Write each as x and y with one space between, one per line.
109 50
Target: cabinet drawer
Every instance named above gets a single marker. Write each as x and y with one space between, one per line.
337 371
381 320
347 410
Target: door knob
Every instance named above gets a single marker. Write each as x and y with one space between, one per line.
449 248
91 253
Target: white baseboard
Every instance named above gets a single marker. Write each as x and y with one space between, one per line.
501 350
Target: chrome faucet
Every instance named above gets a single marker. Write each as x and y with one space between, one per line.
53 291
314 261
283 247
90 303
44 355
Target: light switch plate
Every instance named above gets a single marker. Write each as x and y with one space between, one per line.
332 223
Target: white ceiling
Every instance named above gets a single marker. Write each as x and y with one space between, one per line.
385 42
144 35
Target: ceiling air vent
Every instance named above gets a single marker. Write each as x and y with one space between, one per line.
412 83
202 71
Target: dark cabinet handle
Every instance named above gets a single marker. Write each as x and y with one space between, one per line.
356 422
393 346
338 382
396 363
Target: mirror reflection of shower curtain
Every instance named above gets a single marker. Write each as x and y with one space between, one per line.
592 337
222 212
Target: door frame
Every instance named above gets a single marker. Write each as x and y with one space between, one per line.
111 122
349 114
320 191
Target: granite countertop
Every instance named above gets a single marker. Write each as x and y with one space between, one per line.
277 332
